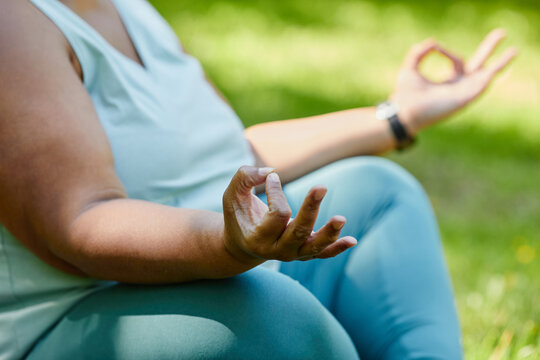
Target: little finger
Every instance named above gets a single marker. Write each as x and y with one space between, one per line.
327 235
499 64
337 247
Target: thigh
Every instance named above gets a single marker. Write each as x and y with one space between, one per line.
392 292
259 314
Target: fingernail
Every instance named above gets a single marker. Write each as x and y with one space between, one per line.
265 171
338 225
273 177
319 194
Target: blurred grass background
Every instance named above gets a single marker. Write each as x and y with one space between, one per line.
285 59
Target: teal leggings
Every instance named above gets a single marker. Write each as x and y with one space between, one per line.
390 297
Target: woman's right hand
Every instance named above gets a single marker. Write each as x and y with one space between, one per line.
255 232
422 102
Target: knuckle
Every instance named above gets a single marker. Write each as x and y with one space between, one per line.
245 183
243 170
281 213
273 188
335 231
302 232
317 248
312 206
336 250
242 179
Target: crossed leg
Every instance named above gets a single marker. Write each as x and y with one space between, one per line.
260 314
392 292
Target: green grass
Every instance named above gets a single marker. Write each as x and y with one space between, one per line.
285 59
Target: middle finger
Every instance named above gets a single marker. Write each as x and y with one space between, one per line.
300 229
485 49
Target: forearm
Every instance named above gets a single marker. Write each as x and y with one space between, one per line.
297 147
141 242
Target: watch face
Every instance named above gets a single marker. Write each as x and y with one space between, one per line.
386 110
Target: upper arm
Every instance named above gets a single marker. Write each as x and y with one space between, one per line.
55 159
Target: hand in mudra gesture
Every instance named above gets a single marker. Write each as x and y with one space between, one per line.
422 102
255 232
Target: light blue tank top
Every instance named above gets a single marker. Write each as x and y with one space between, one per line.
174 142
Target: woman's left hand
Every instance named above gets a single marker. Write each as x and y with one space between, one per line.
422 102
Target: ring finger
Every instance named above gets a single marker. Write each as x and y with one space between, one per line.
323 238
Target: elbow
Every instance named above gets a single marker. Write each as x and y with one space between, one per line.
87 245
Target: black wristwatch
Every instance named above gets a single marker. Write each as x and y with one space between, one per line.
389 112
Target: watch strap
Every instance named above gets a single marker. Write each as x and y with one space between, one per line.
389 112
400 133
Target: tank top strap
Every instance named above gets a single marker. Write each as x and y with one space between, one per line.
87 44
152 36
153 39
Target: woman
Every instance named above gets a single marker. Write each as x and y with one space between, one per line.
116 158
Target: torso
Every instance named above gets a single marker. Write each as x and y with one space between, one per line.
174 142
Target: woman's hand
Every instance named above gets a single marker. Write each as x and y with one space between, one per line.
255 232
422 102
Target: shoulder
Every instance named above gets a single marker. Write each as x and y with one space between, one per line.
29 39
55 156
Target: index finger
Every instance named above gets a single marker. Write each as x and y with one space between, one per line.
418 52
276 219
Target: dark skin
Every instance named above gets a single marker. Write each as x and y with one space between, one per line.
61 198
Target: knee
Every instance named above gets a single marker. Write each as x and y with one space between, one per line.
380 171
377 178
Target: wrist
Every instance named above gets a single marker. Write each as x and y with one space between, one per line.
224 260
406 115
407 119
401 129
239 255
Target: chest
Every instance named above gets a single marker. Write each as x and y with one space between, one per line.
104 18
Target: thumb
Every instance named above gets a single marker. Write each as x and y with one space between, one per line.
248 177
